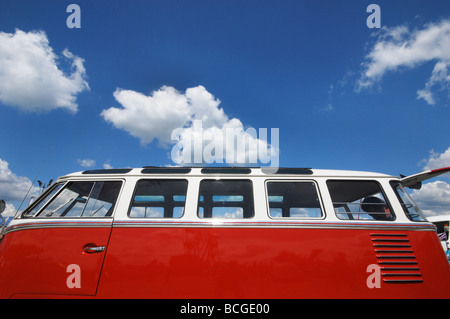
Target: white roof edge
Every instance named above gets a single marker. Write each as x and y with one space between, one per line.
256 172
438 218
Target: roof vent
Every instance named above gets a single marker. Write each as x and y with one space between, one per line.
108 171
165 170
226 170
287 171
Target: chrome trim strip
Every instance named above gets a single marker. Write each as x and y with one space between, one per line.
58 224
35 224
273 224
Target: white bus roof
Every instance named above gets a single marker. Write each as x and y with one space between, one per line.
226 171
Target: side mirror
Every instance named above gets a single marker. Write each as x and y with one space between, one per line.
2 206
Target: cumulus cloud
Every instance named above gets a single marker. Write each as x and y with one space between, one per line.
437 160
188 119
433 198
229 144
9 211
399 48
13 187
31 77
149 117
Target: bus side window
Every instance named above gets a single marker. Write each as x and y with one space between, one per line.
157 198
36 206
359 200
409 207
226 199
80 199
293 199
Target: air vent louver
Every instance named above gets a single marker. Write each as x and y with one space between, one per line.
396 258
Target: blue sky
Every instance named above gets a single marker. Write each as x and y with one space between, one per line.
343 96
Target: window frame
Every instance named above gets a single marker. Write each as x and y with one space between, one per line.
319 197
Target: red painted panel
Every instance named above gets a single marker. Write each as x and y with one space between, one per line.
260 263
35 261
214 262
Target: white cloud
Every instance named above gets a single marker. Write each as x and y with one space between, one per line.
31 77
437 160
439 78
168 116
86 162
149 117
13 187
433 198
107 165
229 144
9 211
329 105
398 48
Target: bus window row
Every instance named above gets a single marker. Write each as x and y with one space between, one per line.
223 198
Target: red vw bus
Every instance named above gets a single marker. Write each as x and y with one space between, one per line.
224 233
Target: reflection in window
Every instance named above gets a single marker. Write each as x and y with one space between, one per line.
231 199
79 199
294 200
36 206
155 198
410 208
359 200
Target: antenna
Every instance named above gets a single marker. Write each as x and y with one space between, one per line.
37 175
2 208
